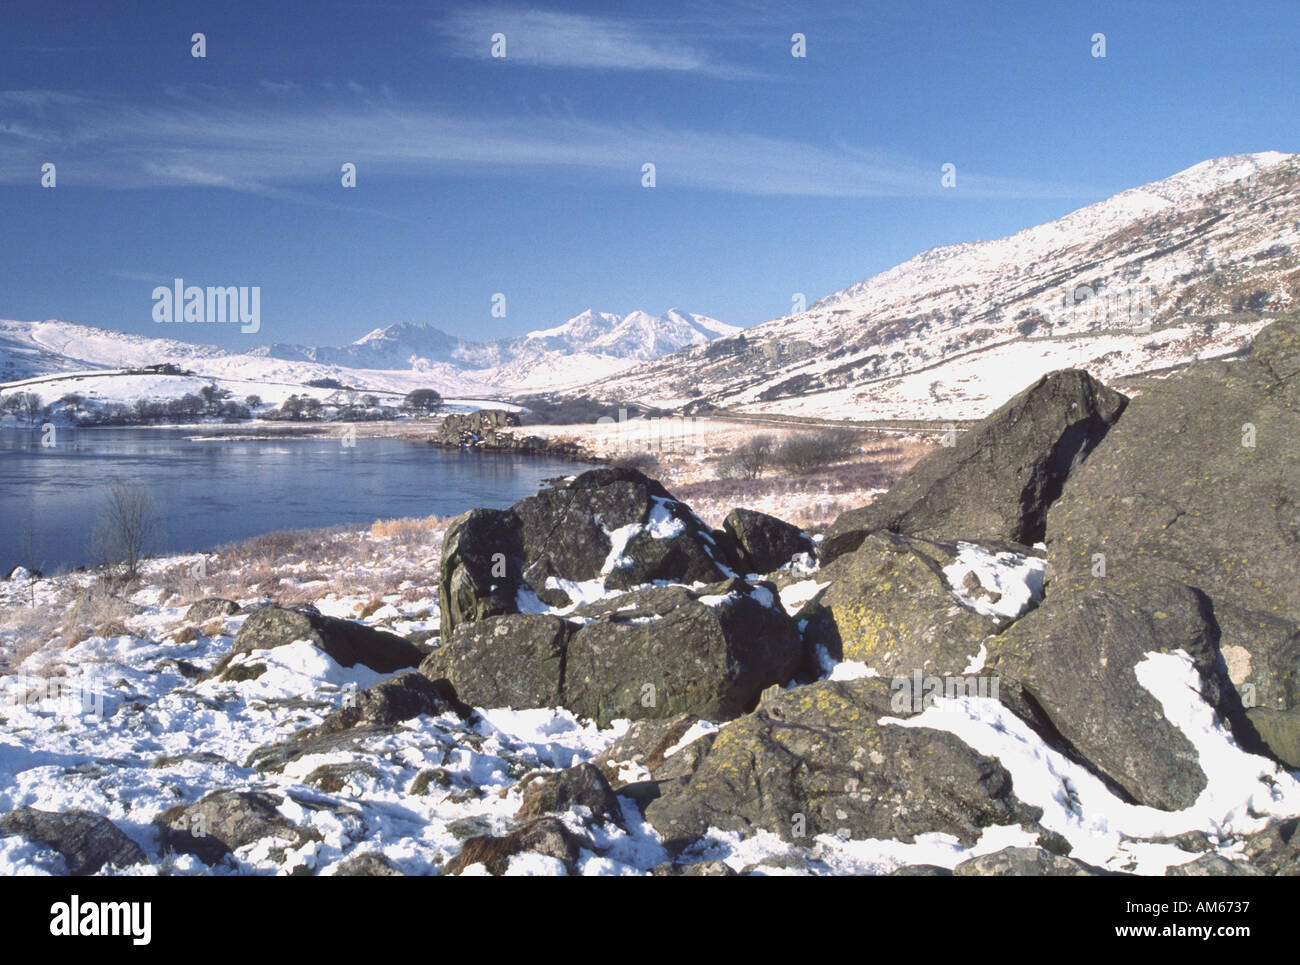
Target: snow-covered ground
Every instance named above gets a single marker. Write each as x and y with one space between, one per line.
116 724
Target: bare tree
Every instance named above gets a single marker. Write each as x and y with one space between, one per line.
27 542
128 526
31 406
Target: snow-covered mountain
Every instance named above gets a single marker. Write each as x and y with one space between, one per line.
395 358
1150 278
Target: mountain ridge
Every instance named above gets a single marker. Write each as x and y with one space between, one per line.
1153 277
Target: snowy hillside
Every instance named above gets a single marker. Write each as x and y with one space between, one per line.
1154 277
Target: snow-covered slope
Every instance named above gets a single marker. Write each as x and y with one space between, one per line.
1121 286
396 358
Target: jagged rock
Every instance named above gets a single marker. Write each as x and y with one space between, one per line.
505 661
580 786
86 840
481 572
998 480
399 698
766 543
214 606
890 606
639 762
567 533
347 643
816 760
475 428
1198 483
571 525
642 752
657 652
372 864
1075 656
1216 866
225 820
1025 861
547 836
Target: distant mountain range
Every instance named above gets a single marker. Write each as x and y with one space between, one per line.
392 358
1147 280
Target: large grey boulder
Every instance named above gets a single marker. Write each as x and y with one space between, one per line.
346 642
817 760
482 570
998 480
1198 483
505 661
766 543
655 652
1076 658
567 534
87 841
670 650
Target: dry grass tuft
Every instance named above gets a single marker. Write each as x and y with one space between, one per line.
408 529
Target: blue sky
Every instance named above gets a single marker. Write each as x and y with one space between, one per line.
522 174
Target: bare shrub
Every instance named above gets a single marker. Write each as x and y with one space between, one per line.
127 529
749 460
802 452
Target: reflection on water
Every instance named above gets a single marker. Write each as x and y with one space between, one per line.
211 492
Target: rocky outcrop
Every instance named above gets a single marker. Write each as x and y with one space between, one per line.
493 430
1197 483
818 760
998 479
346 642
607 528
87 841
505 661
765 542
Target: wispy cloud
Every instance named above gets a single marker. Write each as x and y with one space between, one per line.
579 41
283 148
